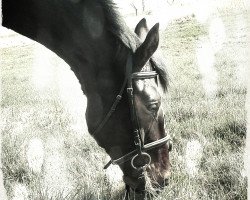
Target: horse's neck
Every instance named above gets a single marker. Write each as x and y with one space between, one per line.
79 36
76 32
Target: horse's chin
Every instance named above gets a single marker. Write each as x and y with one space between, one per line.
148 184
136 184
147 190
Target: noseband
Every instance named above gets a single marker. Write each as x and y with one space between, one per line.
141 148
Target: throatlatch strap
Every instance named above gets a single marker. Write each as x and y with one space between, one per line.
118 97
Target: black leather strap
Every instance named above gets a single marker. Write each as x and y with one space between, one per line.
117 99
146 147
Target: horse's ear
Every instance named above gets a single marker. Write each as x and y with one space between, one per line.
141 29
147 48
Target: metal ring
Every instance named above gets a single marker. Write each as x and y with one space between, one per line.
146 155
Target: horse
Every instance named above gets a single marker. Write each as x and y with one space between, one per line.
119 73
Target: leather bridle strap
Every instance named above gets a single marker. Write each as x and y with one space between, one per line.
118 98
131 154
113 107
134 119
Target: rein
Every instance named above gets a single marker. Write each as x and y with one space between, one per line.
141 148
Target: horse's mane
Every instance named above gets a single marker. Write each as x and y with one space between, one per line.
117 26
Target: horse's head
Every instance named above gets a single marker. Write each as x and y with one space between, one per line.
137 140
149 116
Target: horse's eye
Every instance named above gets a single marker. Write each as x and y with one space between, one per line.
153 106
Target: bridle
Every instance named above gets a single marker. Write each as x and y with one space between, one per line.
141 148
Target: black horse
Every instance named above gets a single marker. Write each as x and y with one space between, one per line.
107 58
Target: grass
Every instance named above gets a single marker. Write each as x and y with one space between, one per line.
218 123
73 162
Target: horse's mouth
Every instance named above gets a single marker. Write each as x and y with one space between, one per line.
146 185
147 193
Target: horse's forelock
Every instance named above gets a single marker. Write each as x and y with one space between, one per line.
160 68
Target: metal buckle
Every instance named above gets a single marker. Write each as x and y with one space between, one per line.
143 154
137 140
119 97
130 91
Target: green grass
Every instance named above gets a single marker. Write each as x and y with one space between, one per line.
218 124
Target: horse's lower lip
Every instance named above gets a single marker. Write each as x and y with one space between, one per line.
148 193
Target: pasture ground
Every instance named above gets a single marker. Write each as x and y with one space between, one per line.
47 152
